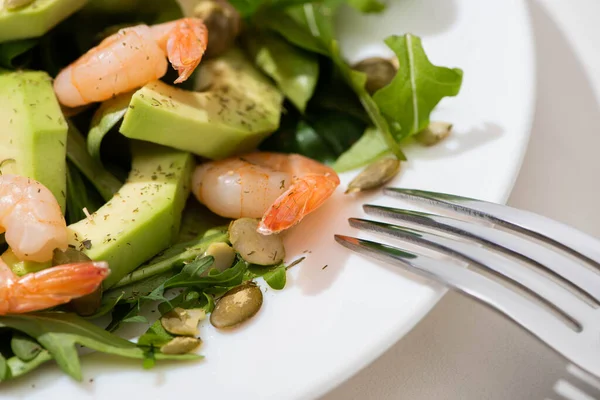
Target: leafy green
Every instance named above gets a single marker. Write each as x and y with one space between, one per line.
79 195
172 258
24 347
106 184
197 220
368 148
16 54
274 275
367 6
295 71
155 336
105 118
59 333
18 367
416 89
249 7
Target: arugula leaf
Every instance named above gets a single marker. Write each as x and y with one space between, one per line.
18 367
249 7
155 336
106 184
15 54
368 148
24 347
416 89
59 333
137 318
295 71
274 275
79 195
105 118
367 6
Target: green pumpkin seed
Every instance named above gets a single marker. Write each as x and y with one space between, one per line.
434 133
181 345
254 247
379 71
236 306
223 256
375 175
182 322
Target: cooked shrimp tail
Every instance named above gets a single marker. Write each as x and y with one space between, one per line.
279 188
303 197
185 46
48 288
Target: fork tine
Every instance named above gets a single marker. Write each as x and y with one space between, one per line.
554 295
580 279
568 239
531 316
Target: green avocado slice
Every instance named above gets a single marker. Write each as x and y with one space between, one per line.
33 131
35 19
239 109
143 217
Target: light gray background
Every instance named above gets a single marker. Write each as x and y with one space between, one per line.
461 350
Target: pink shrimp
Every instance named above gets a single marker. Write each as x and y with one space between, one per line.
279 188
34 226
131 58
48 288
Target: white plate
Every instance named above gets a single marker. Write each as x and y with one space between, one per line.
329 323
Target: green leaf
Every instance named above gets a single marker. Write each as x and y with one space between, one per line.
4 370
106 306
105 118
417 88
367 6
15 54
59 333
155 336
367 149
137 318
106 184
18 367
24 347
249 7
79 196
295 71
197 220
276 278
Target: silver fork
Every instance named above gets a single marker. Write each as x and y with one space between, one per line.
542 274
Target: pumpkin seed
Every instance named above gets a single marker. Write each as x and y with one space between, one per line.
434 133
379 71
236 306
375 175
85 305
181 345
14 4
179 321
254 247
223 256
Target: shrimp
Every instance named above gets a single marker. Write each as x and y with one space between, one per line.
279 188
131 58
48 288
34 226
31 218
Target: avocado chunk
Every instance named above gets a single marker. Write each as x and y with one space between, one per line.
237 111
20 267
35 18
143 217
33 131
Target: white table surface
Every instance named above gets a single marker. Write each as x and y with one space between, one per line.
461 350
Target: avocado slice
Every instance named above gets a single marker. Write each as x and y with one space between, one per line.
20 267
34 131
143 217
240 108
36 18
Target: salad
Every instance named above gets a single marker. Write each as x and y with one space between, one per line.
153 153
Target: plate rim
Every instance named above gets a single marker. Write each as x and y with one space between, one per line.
392 338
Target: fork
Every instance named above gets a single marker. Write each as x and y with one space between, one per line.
540 273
